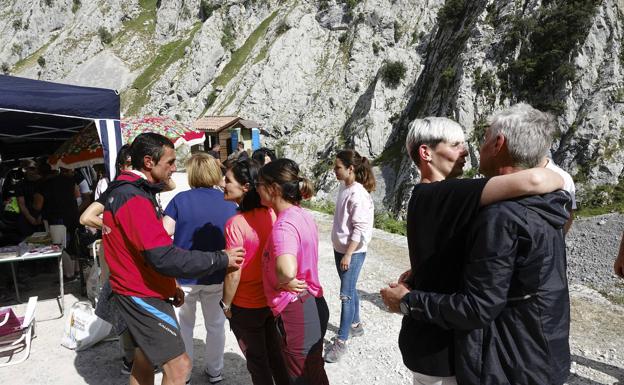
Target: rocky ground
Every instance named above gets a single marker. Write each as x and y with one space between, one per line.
597 324
592 245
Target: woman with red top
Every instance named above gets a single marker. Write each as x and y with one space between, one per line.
290 272
244 302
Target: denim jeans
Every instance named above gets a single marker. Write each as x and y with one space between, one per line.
350 310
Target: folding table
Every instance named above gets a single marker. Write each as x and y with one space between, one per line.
50 251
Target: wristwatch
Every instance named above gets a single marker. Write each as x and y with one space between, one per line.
224 306
404 306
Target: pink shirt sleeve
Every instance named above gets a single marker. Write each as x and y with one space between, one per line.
233 235
285 239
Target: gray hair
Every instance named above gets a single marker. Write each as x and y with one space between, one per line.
430 131
528 133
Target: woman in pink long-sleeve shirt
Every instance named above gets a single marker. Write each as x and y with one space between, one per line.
352 230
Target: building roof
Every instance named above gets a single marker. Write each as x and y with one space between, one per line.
214 123
219 123
248 123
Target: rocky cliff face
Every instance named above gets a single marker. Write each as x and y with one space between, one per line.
321 75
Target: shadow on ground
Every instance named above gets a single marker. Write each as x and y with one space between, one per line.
374 298
101 365
613 371
44 285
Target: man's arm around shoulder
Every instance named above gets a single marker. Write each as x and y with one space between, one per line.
146 232
486 278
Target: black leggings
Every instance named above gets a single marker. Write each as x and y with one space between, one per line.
260 343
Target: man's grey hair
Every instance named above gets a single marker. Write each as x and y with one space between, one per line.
431 131
528 132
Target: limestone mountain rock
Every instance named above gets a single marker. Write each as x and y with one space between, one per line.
593 121
324 74
104 69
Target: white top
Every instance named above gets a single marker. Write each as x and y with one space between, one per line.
84 187
568 182
181 181
353 218
101 186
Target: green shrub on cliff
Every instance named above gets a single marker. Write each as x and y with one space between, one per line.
451 12
351 3
228 40
392 73
76 5
547 40
601 200
206 9
105 36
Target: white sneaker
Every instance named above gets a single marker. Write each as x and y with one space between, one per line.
214 379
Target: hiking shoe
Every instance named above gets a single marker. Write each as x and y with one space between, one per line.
357 331
126 367
214 379
336 350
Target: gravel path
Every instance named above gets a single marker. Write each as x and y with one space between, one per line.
592 245
597 330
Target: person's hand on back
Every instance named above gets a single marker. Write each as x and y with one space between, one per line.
178 298
235 257
295 286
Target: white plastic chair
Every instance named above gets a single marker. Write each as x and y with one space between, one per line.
19 341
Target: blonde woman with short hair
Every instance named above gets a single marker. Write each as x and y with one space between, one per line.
196 218
203 170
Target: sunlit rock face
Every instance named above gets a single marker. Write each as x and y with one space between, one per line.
324 75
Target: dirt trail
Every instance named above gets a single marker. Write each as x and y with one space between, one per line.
597 333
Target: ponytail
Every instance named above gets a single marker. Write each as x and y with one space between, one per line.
362 167
306 188
285 173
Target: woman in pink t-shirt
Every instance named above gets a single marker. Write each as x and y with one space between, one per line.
290 272
243 301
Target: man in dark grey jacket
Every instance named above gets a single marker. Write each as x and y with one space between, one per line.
512 315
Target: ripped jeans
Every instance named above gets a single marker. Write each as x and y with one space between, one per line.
350 309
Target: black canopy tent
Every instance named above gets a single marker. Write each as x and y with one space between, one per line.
32 134
36 117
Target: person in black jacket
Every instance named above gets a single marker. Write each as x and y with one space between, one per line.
511 312
439 215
